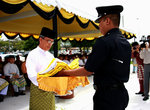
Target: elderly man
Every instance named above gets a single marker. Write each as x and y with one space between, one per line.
110 62
38 59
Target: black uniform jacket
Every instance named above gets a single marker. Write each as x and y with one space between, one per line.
110 59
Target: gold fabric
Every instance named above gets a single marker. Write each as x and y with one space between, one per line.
83 20
45 7
25 35
10 33
4 85
66 14
14 1
61 85
60 65
41 100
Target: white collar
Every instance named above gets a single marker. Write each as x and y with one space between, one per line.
41 50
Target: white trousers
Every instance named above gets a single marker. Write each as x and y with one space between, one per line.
16 88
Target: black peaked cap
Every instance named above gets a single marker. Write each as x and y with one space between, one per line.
106 10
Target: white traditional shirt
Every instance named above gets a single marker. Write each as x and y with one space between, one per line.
66 61
145 55
81 63
11 68
85 60
37 61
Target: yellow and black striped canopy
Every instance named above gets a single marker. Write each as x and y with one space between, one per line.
26 19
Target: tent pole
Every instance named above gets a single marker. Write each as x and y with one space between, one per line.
55 46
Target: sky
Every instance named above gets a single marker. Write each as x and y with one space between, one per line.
136 17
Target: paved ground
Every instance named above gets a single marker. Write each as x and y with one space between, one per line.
83 96
82 100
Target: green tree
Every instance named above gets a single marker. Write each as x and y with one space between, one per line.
11 45
83 45
30 44
17 44
4 46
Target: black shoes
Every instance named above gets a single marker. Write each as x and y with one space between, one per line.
22 93
139 93
1 98
143 95
19 93
16 94
145 98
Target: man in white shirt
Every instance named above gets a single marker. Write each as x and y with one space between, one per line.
145 55
17 80
38 59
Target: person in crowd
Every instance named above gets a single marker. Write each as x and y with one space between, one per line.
66 59
72 57
145 55
61 57
3 87
85 57
38 59
1 65
134 65
6 58
18 62
3 83
24 71
11 70
81 60
140 71
110 62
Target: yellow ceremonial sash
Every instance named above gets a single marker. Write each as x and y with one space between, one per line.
47 73
60 85
60 65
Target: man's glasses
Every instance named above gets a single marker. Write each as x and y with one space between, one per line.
49 41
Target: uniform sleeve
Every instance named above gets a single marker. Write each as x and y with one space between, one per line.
97 57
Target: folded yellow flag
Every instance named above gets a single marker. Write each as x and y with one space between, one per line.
60 85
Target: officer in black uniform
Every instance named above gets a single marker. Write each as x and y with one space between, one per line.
110 62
